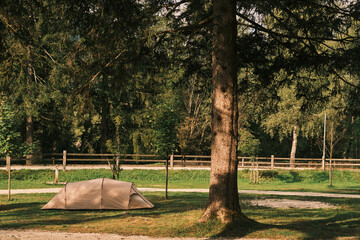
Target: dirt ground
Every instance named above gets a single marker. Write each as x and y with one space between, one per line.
288 203
42 235
39 235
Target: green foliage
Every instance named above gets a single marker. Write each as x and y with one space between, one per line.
29 175
269 174
10 134
194 129
248 145
287 116
102 76
290 177
302 180
166 120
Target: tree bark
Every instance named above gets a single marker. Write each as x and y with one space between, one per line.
293 147
223 201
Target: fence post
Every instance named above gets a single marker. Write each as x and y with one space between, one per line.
56 174
242 162
172 161
257 172
8 169
64 160
323 162
272 162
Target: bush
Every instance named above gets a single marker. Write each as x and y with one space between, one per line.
269 174
290 177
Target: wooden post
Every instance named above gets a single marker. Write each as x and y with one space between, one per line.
8 169
64 160
272 162
166 177
172 161
242 162
251 172
257 172
183 160
330 172
117 166
56 174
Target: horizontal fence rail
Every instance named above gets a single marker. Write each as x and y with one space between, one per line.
262 163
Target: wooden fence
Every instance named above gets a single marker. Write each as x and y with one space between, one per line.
272 162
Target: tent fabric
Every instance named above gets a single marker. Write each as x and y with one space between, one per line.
101 193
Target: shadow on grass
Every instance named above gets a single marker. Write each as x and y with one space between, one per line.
291 177
339 226
307 223
240 230
30 215
350 189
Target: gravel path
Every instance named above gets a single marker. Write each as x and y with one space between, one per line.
45 235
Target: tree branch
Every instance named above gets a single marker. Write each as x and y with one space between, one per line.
261 28
94 77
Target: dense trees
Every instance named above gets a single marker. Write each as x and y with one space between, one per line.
104 54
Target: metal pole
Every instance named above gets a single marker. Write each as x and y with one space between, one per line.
166 177
324 147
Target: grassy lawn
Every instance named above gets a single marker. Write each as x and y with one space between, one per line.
177 217
316 181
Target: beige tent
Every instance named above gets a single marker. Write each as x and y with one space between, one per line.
101 193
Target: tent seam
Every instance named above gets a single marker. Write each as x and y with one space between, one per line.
65 195
143 198
101 193
131 186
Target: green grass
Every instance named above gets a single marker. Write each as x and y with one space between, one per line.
316 181
177 217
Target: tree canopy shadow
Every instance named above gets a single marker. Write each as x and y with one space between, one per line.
343 222
30 215
340 225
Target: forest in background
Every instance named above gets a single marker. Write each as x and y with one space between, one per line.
135 77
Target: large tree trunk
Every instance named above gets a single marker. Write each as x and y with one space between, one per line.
223 201
293 147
